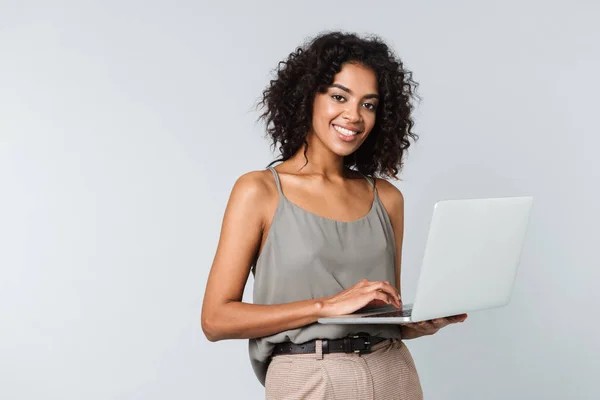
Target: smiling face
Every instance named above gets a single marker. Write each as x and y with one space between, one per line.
344 115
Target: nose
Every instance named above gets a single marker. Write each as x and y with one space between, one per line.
351 114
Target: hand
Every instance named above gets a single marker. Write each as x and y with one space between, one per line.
431 326
358 296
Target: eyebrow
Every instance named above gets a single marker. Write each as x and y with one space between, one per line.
345 89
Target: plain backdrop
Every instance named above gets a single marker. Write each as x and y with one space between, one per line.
124 125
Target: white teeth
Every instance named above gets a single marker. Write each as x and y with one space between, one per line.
344 131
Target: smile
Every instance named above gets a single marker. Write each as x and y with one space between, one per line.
344 131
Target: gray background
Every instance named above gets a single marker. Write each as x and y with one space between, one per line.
123 126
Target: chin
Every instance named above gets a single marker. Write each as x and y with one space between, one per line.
343 152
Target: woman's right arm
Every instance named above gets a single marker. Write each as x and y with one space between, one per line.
224 315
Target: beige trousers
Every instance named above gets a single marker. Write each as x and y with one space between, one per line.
388 372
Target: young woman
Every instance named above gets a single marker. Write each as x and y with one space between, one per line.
320 233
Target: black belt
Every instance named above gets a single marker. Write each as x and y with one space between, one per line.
360 343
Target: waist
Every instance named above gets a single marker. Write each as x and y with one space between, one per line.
360 343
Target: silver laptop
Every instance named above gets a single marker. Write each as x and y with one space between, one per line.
470 262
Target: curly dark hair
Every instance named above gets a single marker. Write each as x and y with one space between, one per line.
288 100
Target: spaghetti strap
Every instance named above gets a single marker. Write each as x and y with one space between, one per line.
371 181
277 181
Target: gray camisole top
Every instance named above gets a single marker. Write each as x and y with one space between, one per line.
306 256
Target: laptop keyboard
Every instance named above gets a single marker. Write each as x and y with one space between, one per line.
399 313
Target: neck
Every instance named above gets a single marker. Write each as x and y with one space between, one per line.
321 160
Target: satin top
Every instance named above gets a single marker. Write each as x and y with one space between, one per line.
307 256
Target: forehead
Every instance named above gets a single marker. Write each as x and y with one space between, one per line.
360 79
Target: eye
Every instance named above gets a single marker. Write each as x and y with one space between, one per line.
337 97
371 106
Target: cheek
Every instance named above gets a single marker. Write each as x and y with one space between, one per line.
324 112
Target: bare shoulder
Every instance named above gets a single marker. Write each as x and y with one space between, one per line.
255 184
254 192
255 187
391 197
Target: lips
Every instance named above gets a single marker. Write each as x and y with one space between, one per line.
346 130
345 135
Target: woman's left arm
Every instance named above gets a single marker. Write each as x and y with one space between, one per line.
393 201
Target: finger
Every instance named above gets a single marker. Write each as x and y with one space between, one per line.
389 284
395 300
386 287
377 295
383 285
376 303
439 323
425 326
422 326
457 318
395 292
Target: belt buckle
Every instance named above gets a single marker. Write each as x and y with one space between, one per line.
367 342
